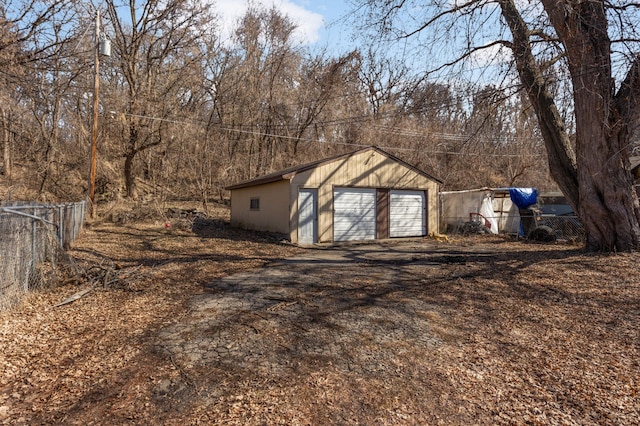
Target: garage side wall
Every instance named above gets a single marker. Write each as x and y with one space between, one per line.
272 213
368 169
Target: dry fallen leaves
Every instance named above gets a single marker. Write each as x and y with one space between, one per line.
527 334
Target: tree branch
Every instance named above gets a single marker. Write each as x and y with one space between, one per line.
471 51
622 7
627 97
439 16
562 159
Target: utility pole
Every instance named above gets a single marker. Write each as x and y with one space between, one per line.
94 129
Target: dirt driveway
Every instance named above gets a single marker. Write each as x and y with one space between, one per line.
407 333
344 308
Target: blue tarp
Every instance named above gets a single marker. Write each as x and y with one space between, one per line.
523 197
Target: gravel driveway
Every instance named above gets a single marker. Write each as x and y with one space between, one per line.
413 332
343 307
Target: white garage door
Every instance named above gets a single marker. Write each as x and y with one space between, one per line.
354 216
407 214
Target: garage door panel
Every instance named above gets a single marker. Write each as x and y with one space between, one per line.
354 214
407 214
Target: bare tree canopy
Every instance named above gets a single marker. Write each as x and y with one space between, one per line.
186 108
577 61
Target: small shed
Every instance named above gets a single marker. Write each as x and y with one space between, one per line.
364 195
492 204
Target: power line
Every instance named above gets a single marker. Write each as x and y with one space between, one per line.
310 140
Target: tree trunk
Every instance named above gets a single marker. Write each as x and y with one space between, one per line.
131 187
608 202
6 145
596 179
48 158
131 190
608 205
562 160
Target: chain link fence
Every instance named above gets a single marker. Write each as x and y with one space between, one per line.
33 236
564 228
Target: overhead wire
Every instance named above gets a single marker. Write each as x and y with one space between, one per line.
311 140
367 117
360 119
246 129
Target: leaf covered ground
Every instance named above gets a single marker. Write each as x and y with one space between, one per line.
209 325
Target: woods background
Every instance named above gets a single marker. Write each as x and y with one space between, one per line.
185 111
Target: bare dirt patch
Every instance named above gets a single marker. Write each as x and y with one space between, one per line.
218 328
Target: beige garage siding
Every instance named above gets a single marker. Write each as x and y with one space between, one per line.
273 212
366 169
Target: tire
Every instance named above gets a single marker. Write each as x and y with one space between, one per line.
542 234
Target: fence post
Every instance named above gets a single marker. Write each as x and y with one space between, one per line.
17 271
73 236
60 227
32 266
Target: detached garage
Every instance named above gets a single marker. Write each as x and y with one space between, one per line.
364 195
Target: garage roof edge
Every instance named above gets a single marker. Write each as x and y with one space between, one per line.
289 173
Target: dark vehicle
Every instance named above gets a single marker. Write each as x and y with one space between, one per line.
551 219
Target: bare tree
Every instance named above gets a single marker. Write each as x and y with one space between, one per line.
155 45
268 95
9 48
383 80
34 50
588 41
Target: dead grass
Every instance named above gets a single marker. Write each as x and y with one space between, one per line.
518 334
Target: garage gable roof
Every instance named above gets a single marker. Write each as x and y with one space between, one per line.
288 173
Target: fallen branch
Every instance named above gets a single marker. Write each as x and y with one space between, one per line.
74 297
113 276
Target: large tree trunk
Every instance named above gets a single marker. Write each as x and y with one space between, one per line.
608 205
596 179
562 159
